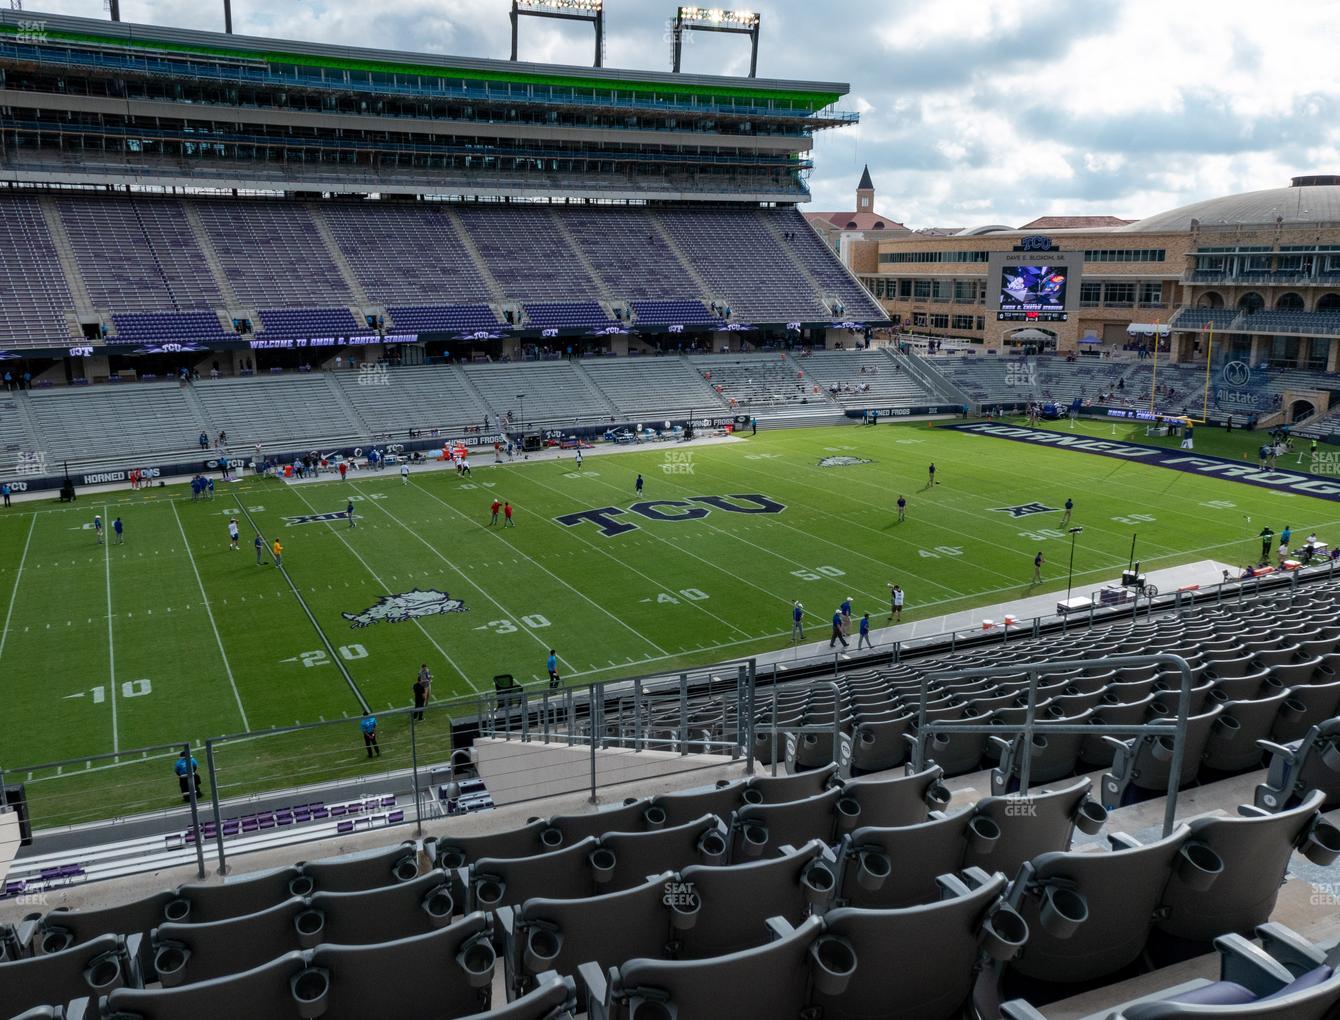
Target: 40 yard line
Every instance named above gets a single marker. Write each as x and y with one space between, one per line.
14 595
111 643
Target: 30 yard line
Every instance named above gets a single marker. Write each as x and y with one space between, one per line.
204 597
14 595
111 643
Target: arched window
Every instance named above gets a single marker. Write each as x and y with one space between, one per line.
1290 302
1251 302
1210 299
1329 303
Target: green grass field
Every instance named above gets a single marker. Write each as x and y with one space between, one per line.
172 636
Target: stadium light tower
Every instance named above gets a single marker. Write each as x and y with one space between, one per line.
228 16
564 10
713 19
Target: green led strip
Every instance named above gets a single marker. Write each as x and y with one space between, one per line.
816 100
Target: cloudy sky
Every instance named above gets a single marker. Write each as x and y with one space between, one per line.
972 111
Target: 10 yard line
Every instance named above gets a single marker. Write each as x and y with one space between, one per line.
111 644
228 669
14 595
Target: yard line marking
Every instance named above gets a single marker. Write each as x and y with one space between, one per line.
14 595
337 532
330 648
227 668
111 642
565 584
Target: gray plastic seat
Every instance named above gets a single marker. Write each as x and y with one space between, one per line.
1306 706
1054 756
458 851
1234 743
62 929
770 981
559 935
1095 751
93 967
632 856
1239 688
1145 762
564 830
914 963
759 830
682 808
553 998
1010 830
877 746
189 953
564 874
1295 674
1098 909
898 866
1254 851
354 872
889 800
730 904
781 789
246 894
1311 763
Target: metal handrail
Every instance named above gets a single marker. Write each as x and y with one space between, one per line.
1031 726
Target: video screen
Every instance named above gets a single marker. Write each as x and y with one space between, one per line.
1032 288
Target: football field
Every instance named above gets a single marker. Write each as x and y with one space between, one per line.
173 636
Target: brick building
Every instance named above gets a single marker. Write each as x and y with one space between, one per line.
1263 268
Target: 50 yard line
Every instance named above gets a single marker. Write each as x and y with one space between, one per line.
14 595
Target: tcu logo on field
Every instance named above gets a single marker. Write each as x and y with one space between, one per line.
670 510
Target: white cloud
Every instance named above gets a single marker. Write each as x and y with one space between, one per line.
972 110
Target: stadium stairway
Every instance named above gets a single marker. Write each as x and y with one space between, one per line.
339 396
582 373
60 240
499 299
337 257
192 213
702 287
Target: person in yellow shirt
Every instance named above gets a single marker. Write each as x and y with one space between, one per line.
278 554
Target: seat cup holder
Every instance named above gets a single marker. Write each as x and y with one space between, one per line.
170 964
712 847
866 737
1330 756
602 861
848 813
309 926
551 838
1198 866
310 988
489 893
818 883
752 795
1063 911
542 948
755 838
983 834
406 869
1322 846
651 1009
938 797
654 817
303 885
439 906
104 973
1090 817
177 911
684 910
1226 727
1292 709
56 941
833 963
873 868
1039 745
1159 708
1004 934
1110 698
477 958
451 858
1162 748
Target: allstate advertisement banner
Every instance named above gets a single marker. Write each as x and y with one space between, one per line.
1176 460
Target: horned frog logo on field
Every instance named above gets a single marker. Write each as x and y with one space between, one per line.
409 605
828 462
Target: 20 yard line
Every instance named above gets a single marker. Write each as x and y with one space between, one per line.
14 595
111 643
227 668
